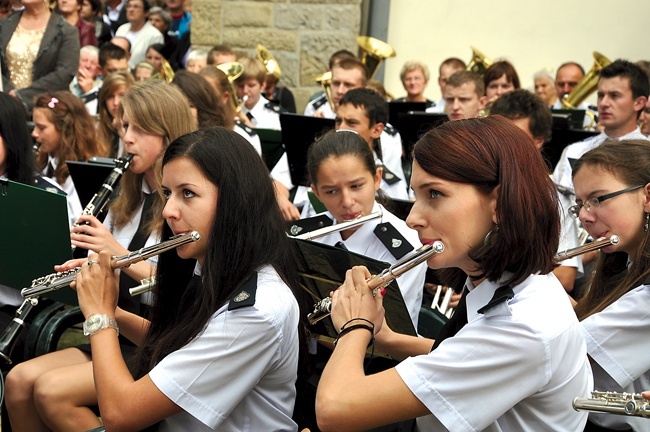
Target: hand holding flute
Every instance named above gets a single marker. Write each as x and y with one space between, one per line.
97 286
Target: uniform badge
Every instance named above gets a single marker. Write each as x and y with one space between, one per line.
242 296
396 243
295 230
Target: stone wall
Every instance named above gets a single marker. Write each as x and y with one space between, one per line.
301 34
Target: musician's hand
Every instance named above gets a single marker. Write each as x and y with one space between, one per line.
354 299
320 114
289 211
455 298
91 234
646 394
70 264
97 286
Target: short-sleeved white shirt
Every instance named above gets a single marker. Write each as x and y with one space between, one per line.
263 117
618 342
240 373
74 204
253 139
364 241
515 368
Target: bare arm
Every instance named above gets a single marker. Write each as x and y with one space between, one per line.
132 326
347 399
125 404
566 276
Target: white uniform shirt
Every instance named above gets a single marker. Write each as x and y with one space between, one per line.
569 236
74 204
515 368
239 374
264 117
391 152
618 342
324 108
396 190
125 234
253 139
364 241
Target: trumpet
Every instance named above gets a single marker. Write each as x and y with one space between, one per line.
322 232
594 245
323 308
55 281
145 286
631 404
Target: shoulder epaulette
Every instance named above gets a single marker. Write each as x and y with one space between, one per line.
89 97
394 241
572 162
319 102
274 107
302 226
390 130
244 296
244 126
41 183
388 176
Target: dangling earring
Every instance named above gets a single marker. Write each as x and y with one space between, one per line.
489 235
647 222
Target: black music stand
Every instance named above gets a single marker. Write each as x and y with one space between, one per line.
35 236
399 207
397 107
272 149
415 124
552 150
574 117
298 133
88 178
322 269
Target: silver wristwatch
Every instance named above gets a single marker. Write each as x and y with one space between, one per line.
97 322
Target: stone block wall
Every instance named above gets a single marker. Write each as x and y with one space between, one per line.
301 34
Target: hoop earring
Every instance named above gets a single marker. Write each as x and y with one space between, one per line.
647 222
489 236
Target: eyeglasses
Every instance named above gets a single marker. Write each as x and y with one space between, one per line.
574 210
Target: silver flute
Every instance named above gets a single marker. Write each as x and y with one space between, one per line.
594 245
631 404
55 281
323 308
145 286
322 232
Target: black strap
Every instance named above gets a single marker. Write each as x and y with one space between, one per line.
501 294
340 245
126 301
250 116
50 171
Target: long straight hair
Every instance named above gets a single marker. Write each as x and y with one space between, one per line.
629 161
106 132
19 156
488 153
247 233
158 109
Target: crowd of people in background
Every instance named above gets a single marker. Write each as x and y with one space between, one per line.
116 77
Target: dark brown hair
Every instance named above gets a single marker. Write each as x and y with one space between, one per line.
489 153
497 70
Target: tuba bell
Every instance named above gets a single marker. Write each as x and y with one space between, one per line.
325 81
165 73
233 70
479 62
270 63
374 52
587 84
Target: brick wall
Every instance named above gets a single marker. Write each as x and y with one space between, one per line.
301 34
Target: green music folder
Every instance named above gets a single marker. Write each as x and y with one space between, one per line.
272 148
34 236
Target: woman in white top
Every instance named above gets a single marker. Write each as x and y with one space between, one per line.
344 177
612 184
220 353
54 391
512 357
64 131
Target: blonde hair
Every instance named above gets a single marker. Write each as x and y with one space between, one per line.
158 109
111 85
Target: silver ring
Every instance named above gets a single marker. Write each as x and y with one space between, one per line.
90 263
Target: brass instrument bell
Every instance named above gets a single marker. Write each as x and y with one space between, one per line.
270 63
374 52
165 73
479 62
233 70
325 81
587 84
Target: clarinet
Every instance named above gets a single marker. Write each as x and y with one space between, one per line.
100 199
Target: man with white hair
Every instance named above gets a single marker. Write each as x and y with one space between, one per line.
545 87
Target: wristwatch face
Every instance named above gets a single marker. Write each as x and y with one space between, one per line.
93 324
